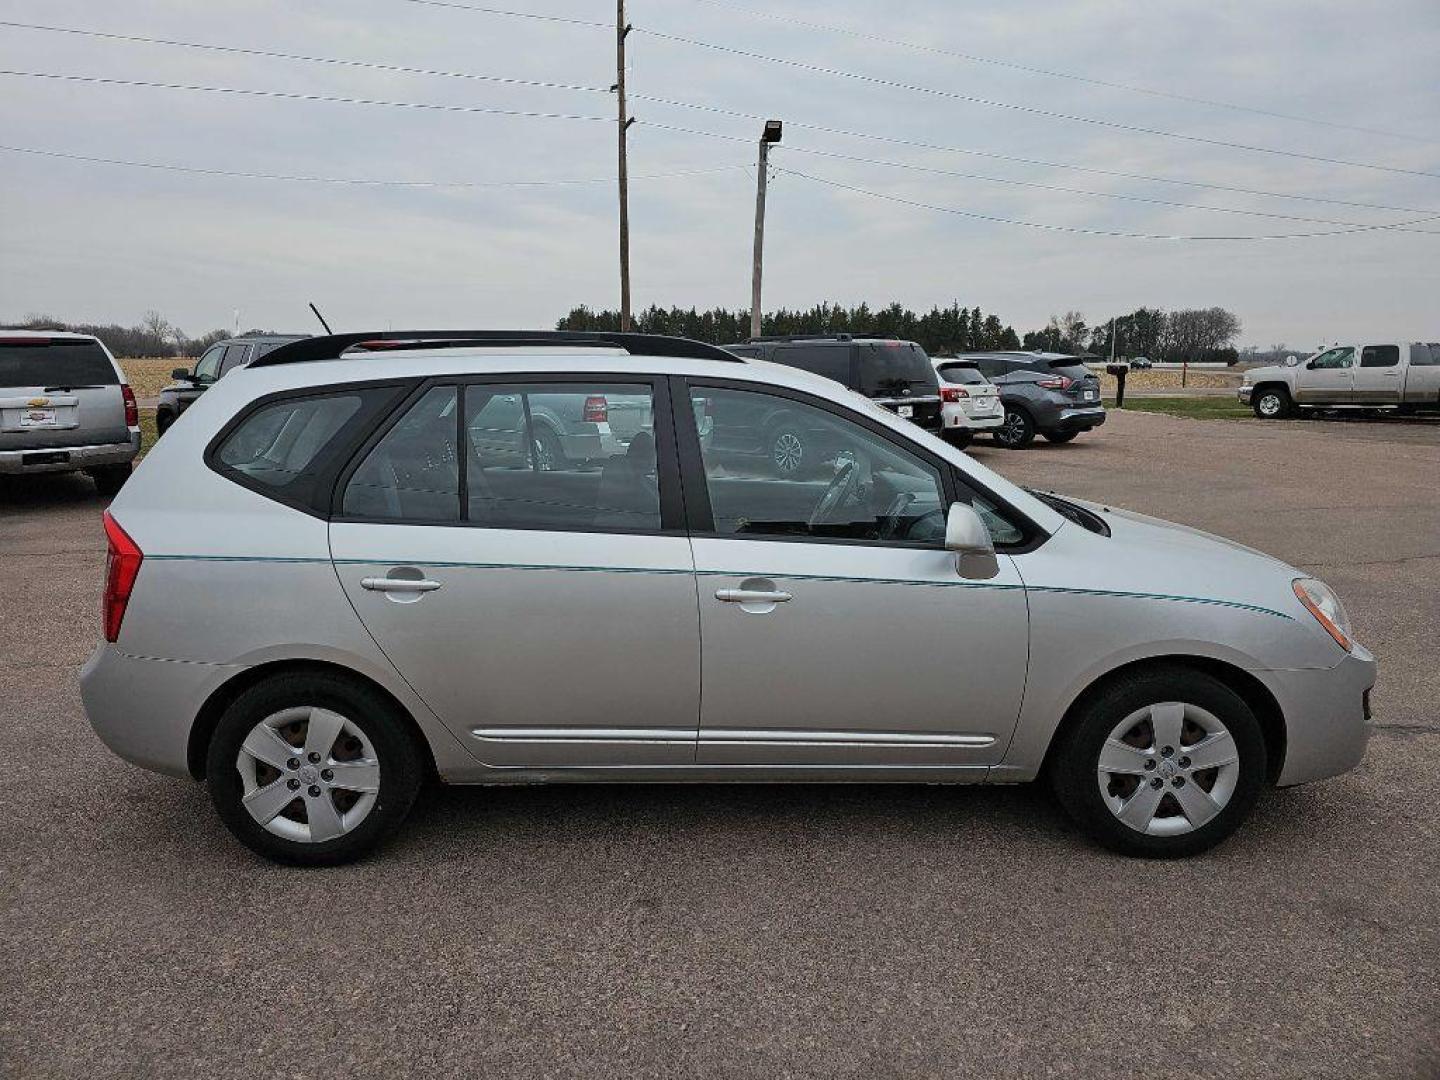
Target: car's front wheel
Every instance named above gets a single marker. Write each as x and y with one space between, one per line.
1162 763
1017 431
312 769
1272 403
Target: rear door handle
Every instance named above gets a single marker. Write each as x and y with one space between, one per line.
400 585
750 596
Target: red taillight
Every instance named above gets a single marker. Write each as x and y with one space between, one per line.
132 410
597 409
122 564
1056 382
953 393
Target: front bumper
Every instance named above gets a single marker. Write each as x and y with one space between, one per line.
1325 714
143 710
52 459
1243 393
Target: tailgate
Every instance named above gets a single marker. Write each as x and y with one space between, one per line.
57 391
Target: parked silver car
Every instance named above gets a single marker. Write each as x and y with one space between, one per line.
328 585
64 407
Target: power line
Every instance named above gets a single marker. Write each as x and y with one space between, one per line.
328 60
1084 191
976 215
1029 110
511 14
1012 65
288 96
359 181
715 110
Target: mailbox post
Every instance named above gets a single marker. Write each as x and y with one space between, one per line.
1119 371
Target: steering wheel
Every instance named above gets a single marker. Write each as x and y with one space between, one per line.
843 486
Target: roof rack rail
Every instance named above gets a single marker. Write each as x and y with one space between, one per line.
333 346
821 337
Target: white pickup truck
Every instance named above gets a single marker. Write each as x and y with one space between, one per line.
1404 377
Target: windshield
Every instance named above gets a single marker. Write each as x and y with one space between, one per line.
47 362
890 368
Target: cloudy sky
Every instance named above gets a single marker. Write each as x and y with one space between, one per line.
526 227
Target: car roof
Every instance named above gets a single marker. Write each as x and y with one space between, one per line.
40 332
251 339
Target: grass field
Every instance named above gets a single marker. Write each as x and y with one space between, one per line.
148 375
1206 408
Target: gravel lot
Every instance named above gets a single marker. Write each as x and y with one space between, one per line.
737 931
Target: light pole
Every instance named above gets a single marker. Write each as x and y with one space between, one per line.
622 30
771 134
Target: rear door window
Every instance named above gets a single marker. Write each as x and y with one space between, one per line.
413 473
1377 356
45 362
234 356
1424 355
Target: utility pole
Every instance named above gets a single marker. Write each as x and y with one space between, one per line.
622 30
770 134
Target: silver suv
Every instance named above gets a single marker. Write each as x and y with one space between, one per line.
349 570
64 407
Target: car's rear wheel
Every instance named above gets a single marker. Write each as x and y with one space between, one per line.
312 770
1273 403
959 438
1059 436
109 479
1017 431
1163 763
549 454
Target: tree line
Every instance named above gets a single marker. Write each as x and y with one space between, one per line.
940 331
153 335
1192 335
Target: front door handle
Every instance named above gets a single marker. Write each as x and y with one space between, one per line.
751 596
399 585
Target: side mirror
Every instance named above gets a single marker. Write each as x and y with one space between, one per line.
1309 365
180 373
967 536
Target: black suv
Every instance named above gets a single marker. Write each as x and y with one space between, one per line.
892 373
1049 394
220 359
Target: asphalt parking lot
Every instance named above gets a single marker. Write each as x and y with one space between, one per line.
737 931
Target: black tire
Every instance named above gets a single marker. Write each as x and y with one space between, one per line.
788 451
1059 437
109 479
549 452
402 769
1074 762
1272 403
959 438
1018 430
163 420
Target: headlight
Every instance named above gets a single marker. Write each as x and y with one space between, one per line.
1329 612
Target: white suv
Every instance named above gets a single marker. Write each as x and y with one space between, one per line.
969 401
351 569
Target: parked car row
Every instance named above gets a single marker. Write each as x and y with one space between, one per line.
412 590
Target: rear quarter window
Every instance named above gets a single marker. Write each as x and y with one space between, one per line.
292 448
55 362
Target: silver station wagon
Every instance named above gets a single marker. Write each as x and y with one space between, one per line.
355 567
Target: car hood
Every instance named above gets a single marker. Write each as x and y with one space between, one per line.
1134 530
1273 371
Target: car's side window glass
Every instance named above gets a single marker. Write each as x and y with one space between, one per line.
413 473
1424 355
1335 358
234 357
208 368
279 446
775 466
561 456
831 361
1373 356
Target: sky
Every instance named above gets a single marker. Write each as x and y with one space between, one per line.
533 230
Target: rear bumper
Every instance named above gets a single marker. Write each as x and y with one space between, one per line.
1081 419
143 710
1326 725
49 459
955 416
